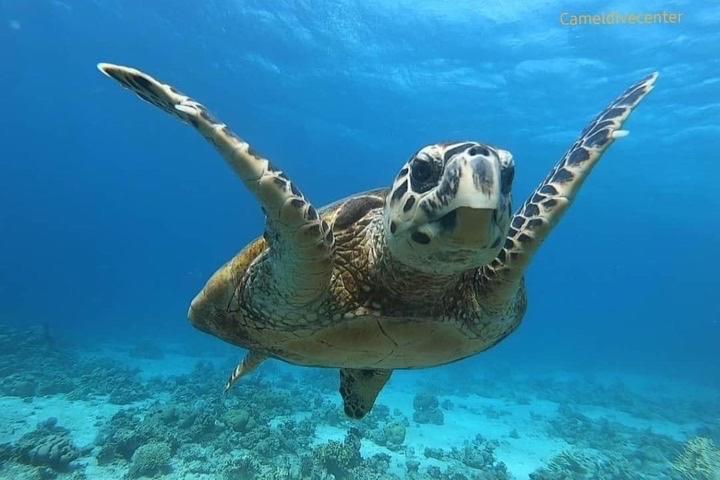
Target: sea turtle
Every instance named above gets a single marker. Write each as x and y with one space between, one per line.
424 273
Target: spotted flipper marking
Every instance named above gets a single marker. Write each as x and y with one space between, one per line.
248 364
360 388
542 210
302 241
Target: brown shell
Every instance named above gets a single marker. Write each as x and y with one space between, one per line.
340 215
397 340
208 311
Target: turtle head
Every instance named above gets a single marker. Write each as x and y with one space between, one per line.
449 207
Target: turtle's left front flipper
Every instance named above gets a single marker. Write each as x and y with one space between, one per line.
300 242
542 210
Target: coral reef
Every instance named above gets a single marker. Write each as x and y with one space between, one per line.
699 460
577 465
55 451
18 385
574 465
150 459
47 446
580 431
394 435
480 455
239 420
281 423
475 458
427 409
339 458
32 365
503 381
568 465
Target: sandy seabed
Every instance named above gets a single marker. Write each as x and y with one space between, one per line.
138 411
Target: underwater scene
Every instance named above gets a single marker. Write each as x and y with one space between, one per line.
337 239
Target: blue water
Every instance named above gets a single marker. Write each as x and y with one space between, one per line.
113 215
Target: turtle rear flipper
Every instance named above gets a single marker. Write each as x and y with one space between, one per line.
301 243
535 219
359 389
249 363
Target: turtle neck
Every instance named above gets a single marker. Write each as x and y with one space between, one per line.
404 283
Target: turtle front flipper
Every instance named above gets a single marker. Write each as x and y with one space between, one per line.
359 389
542 210
301 243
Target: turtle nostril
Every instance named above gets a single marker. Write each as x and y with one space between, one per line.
420 238
479 150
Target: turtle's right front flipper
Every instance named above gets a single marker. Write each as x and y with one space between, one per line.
300 241
536 218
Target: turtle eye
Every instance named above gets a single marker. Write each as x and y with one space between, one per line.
421 170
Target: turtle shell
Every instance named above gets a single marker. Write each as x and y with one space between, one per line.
209 310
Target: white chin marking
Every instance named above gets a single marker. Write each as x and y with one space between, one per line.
619 134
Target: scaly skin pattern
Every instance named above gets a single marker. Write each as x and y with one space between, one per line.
377 313
544 208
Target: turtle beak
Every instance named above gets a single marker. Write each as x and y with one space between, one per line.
478 186
467 226
467 219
